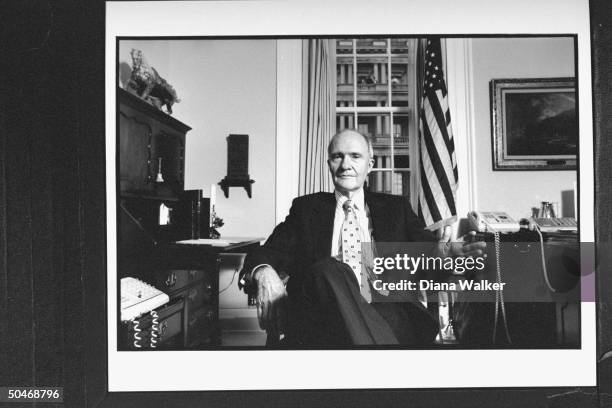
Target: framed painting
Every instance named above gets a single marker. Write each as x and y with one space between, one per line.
534 124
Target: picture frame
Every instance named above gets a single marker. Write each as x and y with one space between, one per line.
534 125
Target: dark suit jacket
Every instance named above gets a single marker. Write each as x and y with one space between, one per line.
306 234
305 237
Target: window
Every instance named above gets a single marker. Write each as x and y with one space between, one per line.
376 94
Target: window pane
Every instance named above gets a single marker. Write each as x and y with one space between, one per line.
372 85
344 47
368 124
382 161
400 46
399 82
344 71
400 140
377 127
401 183
380 181
344 99
344 121
371 46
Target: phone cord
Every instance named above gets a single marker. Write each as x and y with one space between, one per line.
499 293
137 331
543 257
154 328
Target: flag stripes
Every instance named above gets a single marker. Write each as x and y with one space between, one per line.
438 164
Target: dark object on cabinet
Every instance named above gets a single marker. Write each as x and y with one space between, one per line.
190 216
237 165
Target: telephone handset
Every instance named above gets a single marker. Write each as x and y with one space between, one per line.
492 221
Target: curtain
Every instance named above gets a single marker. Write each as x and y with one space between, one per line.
318 114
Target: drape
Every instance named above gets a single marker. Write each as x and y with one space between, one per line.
318 114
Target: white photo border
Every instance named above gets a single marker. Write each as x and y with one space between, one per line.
332 369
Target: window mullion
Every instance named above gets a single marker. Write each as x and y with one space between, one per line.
355 118
390 104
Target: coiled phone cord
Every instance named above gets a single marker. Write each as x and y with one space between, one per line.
154 328
499 294
137 331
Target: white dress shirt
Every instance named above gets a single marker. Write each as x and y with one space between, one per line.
362 217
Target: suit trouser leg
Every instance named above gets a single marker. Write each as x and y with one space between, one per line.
333 312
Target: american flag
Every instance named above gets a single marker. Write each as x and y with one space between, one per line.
438 164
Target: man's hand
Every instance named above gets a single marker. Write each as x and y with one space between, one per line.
465 246
271 299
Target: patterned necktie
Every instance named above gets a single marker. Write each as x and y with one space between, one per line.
351 248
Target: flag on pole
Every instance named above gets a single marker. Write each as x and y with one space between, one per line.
438 164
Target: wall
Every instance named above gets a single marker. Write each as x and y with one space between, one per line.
515 192
224 86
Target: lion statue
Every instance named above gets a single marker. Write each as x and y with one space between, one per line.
146 83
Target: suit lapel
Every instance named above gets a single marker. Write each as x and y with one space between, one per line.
323 220
382 221
324 213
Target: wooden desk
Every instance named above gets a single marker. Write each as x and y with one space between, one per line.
189 274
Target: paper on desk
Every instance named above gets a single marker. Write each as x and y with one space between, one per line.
207 241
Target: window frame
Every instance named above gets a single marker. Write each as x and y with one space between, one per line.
411 110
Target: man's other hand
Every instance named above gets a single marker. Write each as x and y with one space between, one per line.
465 246
271 299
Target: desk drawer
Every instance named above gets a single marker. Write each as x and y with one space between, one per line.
169 327
174 280
202 326
199 295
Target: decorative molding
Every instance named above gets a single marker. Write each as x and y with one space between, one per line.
288 123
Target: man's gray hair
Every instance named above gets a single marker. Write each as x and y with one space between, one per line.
366 138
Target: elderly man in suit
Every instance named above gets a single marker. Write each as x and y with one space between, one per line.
329 298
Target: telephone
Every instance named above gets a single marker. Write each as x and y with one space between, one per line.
489 221
555 224
138 297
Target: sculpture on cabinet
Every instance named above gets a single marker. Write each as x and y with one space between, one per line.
149 85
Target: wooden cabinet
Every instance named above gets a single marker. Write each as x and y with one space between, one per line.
188 274
147 135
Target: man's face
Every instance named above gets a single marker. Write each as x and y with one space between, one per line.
349 161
